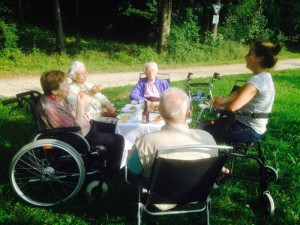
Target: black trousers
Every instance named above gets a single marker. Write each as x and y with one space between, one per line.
104 134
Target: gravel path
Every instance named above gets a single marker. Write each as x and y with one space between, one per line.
11 86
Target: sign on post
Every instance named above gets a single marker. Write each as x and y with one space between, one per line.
217 8
215 19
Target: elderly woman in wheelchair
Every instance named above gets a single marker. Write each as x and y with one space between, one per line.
68 147
55 113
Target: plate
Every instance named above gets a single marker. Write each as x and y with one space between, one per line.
160 122
128 110
152 120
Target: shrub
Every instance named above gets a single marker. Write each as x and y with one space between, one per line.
8 36
245 23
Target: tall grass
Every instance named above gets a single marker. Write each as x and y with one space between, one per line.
235 202
110 56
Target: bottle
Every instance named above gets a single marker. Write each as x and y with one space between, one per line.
145 114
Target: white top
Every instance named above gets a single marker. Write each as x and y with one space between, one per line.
94 108
261 103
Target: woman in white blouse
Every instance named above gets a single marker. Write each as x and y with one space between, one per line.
99 107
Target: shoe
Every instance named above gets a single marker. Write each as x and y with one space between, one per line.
223 175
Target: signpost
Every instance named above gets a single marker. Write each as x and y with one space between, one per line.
215 21
217 8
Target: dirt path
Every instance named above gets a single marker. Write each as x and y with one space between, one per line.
11 86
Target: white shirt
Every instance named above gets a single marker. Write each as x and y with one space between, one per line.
262 102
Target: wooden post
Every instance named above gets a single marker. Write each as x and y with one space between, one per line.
215 25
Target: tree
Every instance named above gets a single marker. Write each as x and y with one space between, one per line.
20 6
59 26
164 20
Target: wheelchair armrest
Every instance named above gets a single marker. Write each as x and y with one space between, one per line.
60 130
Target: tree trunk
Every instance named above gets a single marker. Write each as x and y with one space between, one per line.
20 6
59 26
164 19
77 17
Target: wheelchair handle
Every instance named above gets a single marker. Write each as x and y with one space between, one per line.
9 101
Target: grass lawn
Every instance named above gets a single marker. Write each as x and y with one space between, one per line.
235 202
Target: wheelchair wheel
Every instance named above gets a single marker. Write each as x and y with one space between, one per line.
46 172
268 203
271 173
93 189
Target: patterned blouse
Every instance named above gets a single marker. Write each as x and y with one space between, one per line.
55 115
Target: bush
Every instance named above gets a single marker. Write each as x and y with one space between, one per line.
8 37
245 23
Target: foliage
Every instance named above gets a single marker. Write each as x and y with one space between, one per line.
33 39
148 11
184 40
245 22
8 36
103 56
283 18
136 21
118 206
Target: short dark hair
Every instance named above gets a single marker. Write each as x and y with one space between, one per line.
51 80
269 51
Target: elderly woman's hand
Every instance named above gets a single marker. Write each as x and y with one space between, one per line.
109 107
82 99
94 90
108 114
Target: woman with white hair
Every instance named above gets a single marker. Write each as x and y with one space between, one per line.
99 107
149 87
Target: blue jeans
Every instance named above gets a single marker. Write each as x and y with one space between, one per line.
232 132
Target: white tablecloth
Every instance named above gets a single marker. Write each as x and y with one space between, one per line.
134 127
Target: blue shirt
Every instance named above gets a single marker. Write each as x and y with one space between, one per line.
134 163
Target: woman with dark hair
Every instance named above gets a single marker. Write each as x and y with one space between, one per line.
55 113
253 102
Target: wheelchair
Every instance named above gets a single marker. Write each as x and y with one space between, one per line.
249 151
253 152
57 163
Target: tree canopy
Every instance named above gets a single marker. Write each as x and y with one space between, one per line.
137 21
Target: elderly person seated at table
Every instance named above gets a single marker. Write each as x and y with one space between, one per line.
174 108
56 113
98 107
149 87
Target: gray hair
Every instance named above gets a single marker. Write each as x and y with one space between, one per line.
174 104
73 68
149 64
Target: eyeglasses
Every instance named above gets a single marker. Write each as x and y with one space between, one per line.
82 73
